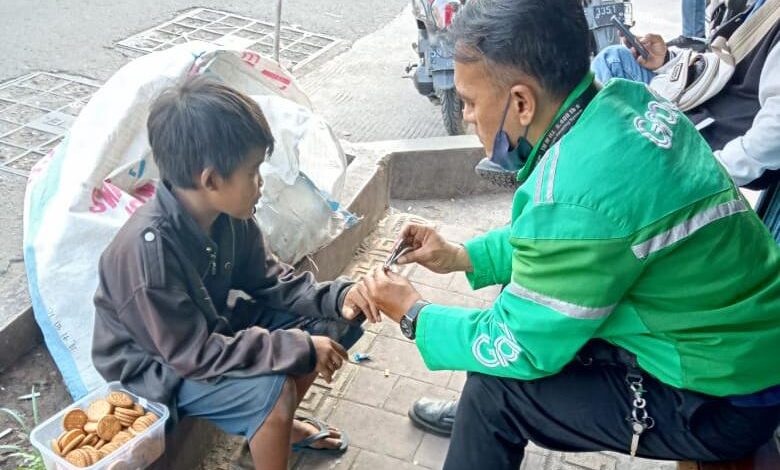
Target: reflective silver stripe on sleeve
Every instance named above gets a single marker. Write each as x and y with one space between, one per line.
687 228
540 178
553 167
565 308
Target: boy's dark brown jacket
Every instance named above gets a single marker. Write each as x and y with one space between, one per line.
161 304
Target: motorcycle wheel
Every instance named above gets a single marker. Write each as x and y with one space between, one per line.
452 113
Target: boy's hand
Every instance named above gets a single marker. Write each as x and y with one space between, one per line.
330 356
392 293
432 251
357 301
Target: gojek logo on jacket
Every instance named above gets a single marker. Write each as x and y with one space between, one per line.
498 352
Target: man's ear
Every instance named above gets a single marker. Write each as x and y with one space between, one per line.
210 180
523 104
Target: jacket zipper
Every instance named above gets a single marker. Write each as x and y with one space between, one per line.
212 260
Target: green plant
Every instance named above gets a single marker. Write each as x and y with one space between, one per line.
28 459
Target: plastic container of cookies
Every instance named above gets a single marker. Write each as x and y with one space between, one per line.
145 446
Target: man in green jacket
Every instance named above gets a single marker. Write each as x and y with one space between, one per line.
641 312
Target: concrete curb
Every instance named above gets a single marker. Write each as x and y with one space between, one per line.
18 336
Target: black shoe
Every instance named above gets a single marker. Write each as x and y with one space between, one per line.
684 42
435 416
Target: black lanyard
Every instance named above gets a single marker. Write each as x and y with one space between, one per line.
568 119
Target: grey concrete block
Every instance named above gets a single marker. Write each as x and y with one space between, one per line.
422 275
457 233
457 381
370 387
378 430
440 167
313 461
408 390
18 336
419 166
185 448
445 297
402 358
461 285
372 461
432 451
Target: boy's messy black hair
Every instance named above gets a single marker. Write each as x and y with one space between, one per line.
201 123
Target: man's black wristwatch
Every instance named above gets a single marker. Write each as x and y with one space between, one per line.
409 320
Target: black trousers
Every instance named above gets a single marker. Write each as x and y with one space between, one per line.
586 408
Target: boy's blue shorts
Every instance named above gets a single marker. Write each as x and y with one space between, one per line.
239 406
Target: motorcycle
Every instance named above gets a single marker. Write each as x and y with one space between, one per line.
434 73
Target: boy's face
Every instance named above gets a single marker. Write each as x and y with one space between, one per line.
238 194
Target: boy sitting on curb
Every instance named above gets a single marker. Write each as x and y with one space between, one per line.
163 327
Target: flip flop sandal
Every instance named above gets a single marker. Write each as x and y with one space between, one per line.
305 445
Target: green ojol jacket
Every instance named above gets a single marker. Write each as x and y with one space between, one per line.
628 230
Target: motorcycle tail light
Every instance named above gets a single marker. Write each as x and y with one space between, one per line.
444 11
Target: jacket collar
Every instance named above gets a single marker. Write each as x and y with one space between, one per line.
190 235
534 157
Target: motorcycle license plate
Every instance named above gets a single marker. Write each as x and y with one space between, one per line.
602 14
439 61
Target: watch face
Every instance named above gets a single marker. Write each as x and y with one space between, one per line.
406 327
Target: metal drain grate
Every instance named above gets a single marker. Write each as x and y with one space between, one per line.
297 47
35 112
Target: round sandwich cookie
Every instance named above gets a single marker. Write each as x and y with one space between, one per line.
108 427
78 458
73 443
89 440
98 409
120 399
55 446
74 419
90 427
121 438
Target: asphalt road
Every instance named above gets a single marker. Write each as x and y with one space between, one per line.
77 36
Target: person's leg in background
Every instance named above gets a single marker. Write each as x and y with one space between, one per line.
618 62
693 12
693 18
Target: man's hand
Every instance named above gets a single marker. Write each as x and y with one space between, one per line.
432 251
357 301
656 48
330 356
391 292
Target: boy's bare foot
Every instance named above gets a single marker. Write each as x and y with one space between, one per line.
301 430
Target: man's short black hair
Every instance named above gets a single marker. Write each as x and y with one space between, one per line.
201 123
544 39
